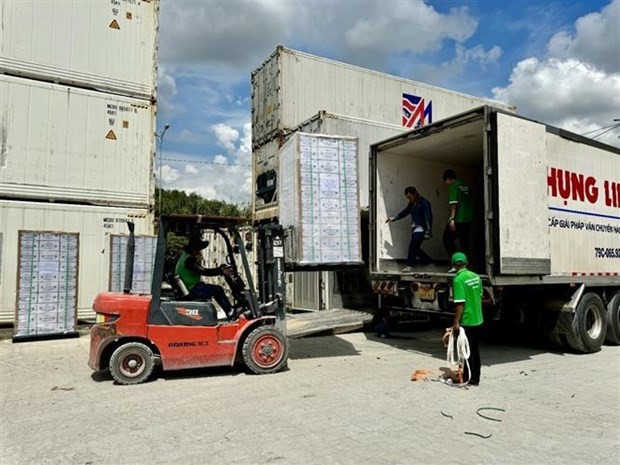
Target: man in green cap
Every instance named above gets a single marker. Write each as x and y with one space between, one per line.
467 293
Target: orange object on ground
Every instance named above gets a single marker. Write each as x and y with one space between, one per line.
422 375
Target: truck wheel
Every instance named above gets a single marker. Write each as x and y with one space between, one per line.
589 323
265 350
613 320
574 342
131 363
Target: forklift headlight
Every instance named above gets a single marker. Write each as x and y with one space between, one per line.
102 318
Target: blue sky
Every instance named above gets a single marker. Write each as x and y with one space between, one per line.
557 61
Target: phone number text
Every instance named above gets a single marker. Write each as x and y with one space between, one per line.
606 252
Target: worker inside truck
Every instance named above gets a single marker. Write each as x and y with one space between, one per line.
190 271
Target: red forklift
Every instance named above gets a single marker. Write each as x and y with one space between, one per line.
134 333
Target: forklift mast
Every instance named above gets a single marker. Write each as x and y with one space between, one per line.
270 259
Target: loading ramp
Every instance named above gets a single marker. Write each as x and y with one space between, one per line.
332 321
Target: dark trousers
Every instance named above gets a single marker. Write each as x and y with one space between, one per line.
457 240
207 291
415 251
473 336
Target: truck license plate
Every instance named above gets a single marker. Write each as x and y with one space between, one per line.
426 293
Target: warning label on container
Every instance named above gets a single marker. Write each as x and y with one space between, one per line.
110 135
114 25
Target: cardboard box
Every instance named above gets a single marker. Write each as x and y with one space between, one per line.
319 198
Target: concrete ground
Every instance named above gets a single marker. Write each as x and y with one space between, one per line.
345 399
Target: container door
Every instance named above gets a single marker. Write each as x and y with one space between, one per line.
521 197
309 290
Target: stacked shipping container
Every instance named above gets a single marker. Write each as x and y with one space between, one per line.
105 46
294 91
77 118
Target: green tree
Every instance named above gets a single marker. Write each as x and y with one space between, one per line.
175 202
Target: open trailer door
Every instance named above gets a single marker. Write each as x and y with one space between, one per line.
519 159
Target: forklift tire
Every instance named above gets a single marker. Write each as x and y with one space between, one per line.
265 350
132 363
613 320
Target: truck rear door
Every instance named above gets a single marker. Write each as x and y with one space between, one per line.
518 156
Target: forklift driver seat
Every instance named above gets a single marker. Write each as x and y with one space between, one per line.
178 287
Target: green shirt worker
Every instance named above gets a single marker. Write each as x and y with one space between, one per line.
189 270
467 293
456 233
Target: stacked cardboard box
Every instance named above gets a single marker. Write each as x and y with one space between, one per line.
144 261
47 286
319 175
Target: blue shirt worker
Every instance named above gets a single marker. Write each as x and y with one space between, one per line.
189 270
467 293
421 227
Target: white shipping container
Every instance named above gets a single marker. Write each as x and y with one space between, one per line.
75 145
108 46
309 290
292 86
367 133
94 226
326 290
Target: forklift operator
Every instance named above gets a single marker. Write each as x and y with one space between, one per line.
189 270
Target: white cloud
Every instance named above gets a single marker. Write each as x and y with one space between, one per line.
574 87
392 27
218 181
596 40
186 136
558 88
226 136
240 35
246 140
168 174
223 34
220 160
477 55
227 177
166 91
448 72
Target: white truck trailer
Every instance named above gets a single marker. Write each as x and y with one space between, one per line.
546 235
